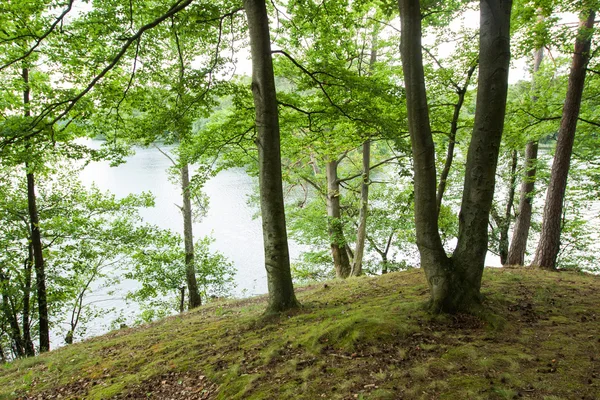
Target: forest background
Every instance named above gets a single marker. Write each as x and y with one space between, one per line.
339 143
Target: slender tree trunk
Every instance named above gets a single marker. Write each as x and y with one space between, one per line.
504 223
26 320
11 316
518 244
277 259
188 238
461 92
40 270
337 239
182 299
549 244
455 283
36 239
361 232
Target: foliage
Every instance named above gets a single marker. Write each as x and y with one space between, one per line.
160 272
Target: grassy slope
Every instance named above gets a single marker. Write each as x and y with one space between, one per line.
363 338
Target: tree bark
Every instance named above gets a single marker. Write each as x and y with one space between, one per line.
188 238
518 244
36 239
482 158
277 260
433 258
504 223
341 260
361 232
26 319
549 244
461 92
11 316
455 283
40 270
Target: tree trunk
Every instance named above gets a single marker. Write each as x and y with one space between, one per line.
277 259
182 299
188 238
433 258
40 271
505 220
455 283
482 158
361 232
341 261
461 92
518 244
26 320
11 316
549 244
36 239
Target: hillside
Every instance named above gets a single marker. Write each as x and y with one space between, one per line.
364 338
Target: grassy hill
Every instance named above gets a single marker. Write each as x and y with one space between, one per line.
364 338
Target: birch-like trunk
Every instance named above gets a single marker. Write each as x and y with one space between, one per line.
337 239
361 232
188 239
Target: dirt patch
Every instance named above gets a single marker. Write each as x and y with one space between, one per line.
173 385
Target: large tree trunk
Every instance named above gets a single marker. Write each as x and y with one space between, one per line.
549 244
188 238
482 158
455 283
36 239
434 261
277 259
361 232
341 260
518 244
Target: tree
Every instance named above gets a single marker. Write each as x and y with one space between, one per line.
455 282
549 243
277 259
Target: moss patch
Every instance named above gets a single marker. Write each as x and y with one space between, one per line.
538 338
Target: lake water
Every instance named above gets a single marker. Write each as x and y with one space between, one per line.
229 219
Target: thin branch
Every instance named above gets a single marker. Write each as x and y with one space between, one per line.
370 168
41 38
164 153
174 9
587 121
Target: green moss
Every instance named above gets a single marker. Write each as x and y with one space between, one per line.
365 337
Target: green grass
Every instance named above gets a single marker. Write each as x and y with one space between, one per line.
369 338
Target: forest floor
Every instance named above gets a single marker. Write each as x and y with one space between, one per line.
363 338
